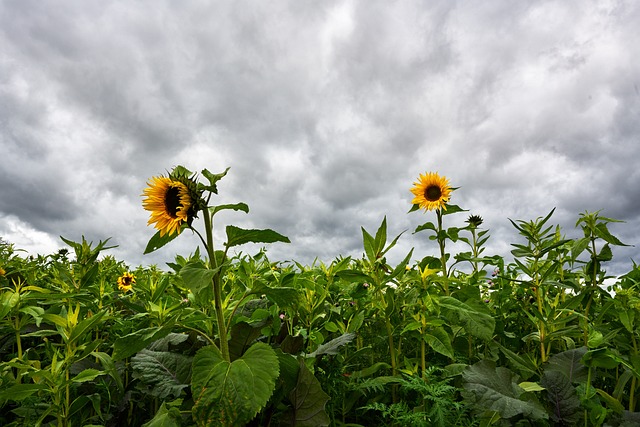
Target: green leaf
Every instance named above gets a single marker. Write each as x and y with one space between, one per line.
242 336
130 344
563 399
439 340
333 346
167 416
213 179
495 389
425 226
602 232
569 363
197 276
19 392
308 402
476 323
238 236
86 325
283 297
157 241
232 393
451 209
87 375
236 207
166 373
354 276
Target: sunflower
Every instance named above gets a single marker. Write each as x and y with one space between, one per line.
126 282
169 202
431 191
474 221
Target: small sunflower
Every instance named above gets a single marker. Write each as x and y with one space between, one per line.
2 272
431 191
169 202
474 221
126 282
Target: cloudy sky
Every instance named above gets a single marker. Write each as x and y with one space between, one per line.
326 112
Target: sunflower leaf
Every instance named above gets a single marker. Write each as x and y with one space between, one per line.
213 179
238 236
158 241
232 393
236 207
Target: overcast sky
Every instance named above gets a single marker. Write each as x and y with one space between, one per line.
326 112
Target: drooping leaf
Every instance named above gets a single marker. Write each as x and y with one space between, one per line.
213 179
232 393
167 374
130 344
238 236
19 392
496 389
157 241
439 340
564 403
87 375
235 206
475 322
308 402
197 276
569 363
333 346
242 336
167 416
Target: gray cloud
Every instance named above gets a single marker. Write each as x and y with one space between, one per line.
326 113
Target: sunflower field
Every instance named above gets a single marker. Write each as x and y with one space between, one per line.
216 339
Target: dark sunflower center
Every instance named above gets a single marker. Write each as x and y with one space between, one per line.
432 193
126 280
172 201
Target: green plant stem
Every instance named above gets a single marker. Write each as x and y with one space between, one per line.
443 258
217 288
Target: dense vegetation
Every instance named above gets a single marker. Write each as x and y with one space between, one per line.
461 339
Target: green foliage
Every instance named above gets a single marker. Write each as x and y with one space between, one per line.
449 340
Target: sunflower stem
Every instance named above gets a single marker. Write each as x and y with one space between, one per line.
443 257
217 288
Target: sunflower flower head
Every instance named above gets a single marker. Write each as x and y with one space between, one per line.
474 221
172 201
126 282
431 191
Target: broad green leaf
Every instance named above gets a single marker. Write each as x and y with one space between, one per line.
19 392
235 206
238 236
439 340
569 363
602 232
86 325
563 399
283 297
87 375
130 344
308 402
493 388
167 416
197 276
354 276
242 336
231 393
451 209
157 241
213 179
476 323
166 373
333 346
425 226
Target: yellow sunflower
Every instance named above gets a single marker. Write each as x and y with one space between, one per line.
126 282
169 203
431 191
